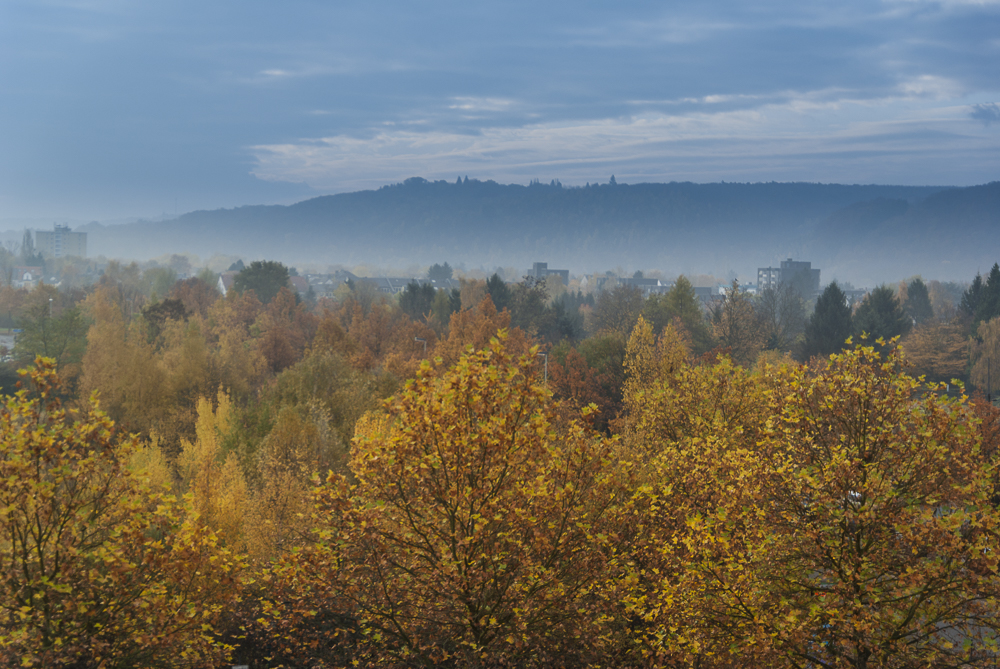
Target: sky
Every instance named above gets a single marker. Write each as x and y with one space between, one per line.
111 109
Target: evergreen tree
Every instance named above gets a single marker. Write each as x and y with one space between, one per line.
971 298
918 302
679 302
830 325
881 316
499 292
989 301
416 301
439 272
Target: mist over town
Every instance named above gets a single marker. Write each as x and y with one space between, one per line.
478 336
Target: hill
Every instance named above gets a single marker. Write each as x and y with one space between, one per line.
857 233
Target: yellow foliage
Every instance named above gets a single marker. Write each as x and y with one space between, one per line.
216 483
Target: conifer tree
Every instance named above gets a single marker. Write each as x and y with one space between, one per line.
972 297
918 302
881 316
830 325
989 301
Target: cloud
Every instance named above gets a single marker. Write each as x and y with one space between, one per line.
932 86
988 113
476 104
885 141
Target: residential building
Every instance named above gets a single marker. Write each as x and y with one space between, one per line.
798 273
540 270
61 242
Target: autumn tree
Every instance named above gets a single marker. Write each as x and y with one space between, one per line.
286 328
121 364
937 350
196 295
99 569
688 436
739 327
880 550
469 538
985 358
840 519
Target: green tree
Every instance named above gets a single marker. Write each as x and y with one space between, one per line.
989 300
439 272
51 326
417 300
264 277
830 325
971 298
680 302
881 316
918 302
499 292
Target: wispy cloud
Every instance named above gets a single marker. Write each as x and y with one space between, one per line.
772 141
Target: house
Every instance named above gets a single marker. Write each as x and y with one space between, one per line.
226 281
26 277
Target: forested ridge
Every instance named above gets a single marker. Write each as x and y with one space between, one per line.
499 475
679 227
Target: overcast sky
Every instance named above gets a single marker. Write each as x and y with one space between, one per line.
115 108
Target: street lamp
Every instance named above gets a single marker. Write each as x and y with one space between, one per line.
424 342
545 357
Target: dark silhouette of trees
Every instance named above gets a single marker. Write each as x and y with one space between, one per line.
830 325
971 298
263 277
499 292
918 302
881 316
417 300
439 272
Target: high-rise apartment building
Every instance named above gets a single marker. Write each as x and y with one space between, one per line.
61 242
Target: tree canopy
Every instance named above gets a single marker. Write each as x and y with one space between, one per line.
263 277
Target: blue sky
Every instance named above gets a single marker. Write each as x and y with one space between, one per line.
114 108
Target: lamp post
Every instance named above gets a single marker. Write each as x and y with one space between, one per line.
424 342
545 377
